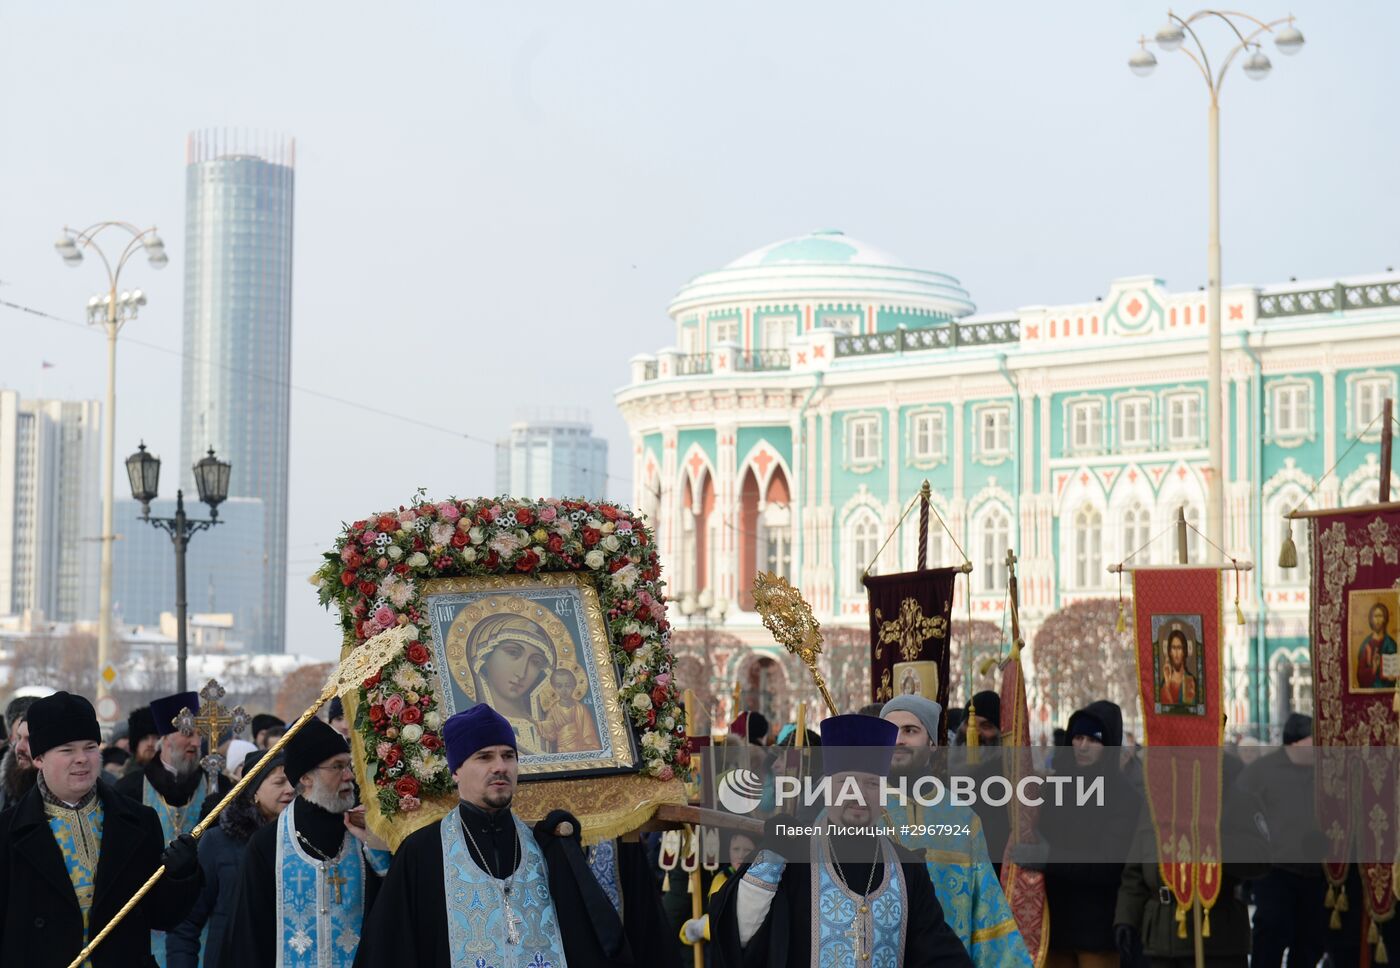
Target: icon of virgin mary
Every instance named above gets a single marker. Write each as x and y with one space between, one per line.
510 658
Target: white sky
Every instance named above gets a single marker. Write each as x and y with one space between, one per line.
494 204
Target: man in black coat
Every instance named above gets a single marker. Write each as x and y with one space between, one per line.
74 851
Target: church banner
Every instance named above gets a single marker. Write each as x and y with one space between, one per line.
1025 890
1178 631
909 628
1355 610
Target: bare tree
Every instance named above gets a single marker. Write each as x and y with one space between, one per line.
971 644
300 689
1080 657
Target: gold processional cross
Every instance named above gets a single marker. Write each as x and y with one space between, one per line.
214 717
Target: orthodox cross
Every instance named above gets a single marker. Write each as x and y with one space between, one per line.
857 936
214 717
336 880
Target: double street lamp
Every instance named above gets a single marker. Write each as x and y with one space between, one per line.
1173 36
211 477
111 310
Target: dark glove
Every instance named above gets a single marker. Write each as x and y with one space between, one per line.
1129 944
560 824
1030 857
181 857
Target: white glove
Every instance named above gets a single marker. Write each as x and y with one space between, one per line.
693 930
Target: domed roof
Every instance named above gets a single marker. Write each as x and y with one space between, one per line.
829 266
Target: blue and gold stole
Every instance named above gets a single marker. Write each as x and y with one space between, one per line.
78 833
321 903
477 907
848 929
964 879
174 821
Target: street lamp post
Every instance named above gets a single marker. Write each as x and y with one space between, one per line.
111 311
211 477
708 611
1170 37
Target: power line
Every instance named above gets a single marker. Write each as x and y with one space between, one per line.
309 391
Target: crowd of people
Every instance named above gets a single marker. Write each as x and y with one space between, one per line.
290 874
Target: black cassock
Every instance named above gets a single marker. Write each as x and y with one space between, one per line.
174 790
255 928
408 925
784 939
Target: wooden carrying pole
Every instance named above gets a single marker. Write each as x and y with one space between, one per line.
696 901
366 660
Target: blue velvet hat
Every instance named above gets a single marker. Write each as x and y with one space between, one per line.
857 744
474 729
165 709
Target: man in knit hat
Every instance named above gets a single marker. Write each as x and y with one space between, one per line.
142 738
847 896
171 783
479 887
308 878
73 851
958 863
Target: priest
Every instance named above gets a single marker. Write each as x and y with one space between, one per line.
172 783
950 838
309 878
848 897
480 888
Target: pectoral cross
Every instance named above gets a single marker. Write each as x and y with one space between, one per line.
513 923
336 880
857 936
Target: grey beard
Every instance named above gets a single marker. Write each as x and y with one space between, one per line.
330 800
184 770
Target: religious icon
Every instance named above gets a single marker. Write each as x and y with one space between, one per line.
1374 660
1178 665
536 649
917 679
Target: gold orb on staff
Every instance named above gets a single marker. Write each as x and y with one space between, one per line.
789 619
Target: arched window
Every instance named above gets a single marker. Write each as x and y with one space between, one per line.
994 540
1137 532
864 543
1088 547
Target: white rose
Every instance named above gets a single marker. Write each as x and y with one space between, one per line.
594 523
611 543
411 733
608 528
641 702
477 535
668 722
395 552
594 559
469 555
433 719
418 560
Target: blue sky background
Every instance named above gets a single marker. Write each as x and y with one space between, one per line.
494 204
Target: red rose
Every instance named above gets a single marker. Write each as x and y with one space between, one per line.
411 714
376 714
372 681
406 787
416 653
527 561
524 517
367 588
609 512
616 565
347 578
387 523
651 717
659 695
556 543
394 755
591 536
418 544
486 516
459 539
632 642
492 562
430 741
401 569
641 538
683 756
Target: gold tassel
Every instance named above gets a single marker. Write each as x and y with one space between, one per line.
1122 625
1205 923
1382 956
1180 920
989 663
1372 935
1288 553
666 883
1331 900
1335 922
1342 905
1239 613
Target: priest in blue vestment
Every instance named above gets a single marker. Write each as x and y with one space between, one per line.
480 888
848 896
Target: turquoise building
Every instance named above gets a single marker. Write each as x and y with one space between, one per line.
813 384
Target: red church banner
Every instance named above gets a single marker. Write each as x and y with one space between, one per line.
1355 610
909 625
1178 631
1025 890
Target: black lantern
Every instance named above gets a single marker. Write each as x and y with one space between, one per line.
211 478
143 469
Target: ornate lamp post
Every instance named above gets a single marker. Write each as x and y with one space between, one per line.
708 611
211 477
112 311
1172 36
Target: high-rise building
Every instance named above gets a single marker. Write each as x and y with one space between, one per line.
50 509
223 566
238 335
552 455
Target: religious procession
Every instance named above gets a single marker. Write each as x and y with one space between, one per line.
507 769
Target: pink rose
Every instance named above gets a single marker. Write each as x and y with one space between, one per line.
367 538
394 704
382 750
406 519
548 514
449 511
664 679
385 616
410 804
665 774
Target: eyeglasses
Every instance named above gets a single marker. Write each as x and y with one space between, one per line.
336 768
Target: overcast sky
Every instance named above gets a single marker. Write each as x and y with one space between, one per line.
495 203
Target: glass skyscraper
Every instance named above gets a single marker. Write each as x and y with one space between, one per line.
239 193
552 455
